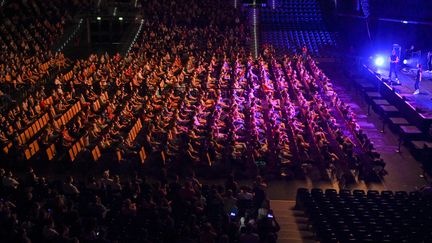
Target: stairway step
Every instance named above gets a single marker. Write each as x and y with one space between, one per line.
287 215
294 240
293 222
295 232
288 211
295 227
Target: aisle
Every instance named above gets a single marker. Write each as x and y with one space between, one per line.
403 170
292 223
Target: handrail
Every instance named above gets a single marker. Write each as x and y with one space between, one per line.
136 35
71 36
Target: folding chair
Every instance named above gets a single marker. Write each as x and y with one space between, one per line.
7 147
96 153
50 152
71 155
142 155
27 154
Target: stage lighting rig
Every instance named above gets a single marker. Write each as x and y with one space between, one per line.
379 61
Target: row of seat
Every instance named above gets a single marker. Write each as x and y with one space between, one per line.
89 71
77 147
31 150
303 36
136 129
50 152
34 128
293 11
294 24
359 216
68 115
298 3
49 100
278 23
315 41
45 66
96 153
30 132
288 14
142 154
68 76
96 105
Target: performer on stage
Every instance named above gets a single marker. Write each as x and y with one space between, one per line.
393 59
418 80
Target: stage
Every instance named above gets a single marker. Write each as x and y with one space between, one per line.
415 108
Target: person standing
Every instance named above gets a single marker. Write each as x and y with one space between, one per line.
418 79
304 54
394 59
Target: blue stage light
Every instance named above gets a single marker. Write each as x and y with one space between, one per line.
379 61
405 61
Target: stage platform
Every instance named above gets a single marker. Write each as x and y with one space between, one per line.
415 108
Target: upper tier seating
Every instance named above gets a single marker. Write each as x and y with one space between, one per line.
294 24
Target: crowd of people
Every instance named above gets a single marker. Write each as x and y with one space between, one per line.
325 129
188 95
28 31
109 208
203 100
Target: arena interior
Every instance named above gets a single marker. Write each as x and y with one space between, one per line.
215 121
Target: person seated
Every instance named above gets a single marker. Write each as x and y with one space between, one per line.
105 142
199 121
69 188
192 153
60 108
116 187
155 144
66 136
84 101
301 141
180 120
238 149
193 136
3 138
9 181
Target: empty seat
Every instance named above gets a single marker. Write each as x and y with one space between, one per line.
316 192
373 193
302 193
359 193
387 194
330 193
